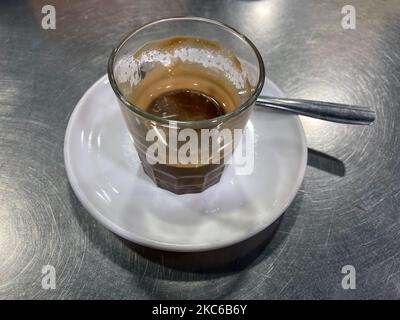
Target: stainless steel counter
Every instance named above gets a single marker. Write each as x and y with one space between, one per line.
346 213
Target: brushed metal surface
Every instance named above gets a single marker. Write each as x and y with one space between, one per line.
346 213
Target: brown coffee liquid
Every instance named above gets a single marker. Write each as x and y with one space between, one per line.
185 105
185 92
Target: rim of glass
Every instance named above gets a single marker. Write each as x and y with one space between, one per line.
135 109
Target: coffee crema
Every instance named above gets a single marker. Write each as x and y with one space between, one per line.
187 90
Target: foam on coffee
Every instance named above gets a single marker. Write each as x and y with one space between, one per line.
178 83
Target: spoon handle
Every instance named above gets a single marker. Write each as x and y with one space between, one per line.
329 111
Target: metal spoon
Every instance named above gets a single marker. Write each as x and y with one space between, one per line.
329 111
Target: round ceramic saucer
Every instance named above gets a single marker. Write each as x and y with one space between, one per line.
106 175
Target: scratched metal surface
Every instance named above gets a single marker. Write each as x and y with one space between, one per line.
347 211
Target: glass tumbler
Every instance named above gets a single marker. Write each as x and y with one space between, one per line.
125 73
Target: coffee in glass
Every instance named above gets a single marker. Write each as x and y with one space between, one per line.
178 88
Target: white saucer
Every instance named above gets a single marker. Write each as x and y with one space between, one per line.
106 175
